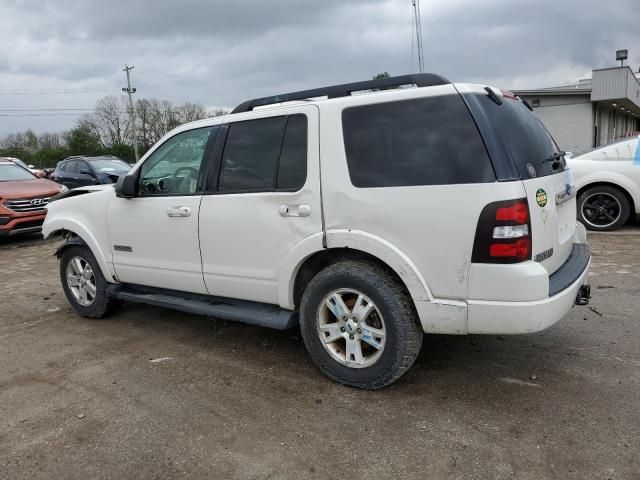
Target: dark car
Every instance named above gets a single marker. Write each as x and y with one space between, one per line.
82 171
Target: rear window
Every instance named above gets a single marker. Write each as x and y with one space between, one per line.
526 140
425 141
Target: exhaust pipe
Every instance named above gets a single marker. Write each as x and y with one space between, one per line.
584 294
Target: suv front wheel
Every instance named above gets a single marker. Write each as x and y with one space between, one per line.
83 282
359 325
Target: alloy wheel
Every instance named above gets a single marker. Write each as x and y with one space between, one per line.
601 210
81 281
351 328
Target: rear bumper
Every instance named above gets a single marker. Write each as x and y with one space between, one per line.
494 317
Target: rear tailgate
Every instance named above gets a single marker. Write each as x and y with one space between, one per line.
521 148
552 207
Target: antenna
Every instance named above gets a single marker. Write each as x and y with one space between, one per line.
418 24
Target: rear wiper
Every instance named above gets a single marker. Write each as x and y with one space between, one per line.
555 157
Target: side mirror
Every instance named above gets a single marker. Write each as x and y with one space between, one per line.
31 166
86 171
127 186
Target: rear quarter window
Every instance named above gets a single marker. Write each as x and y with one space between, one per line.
521 134
425 141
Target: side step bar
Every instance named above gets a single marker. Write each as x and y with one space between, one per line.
254 313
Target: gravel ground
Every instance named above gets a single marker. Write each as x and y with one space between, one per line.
151 393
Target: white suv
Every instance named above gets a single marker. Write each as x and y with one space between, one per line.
368 213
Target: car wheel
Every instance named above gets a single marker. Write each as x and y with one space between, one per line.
83 282
359 325
603 208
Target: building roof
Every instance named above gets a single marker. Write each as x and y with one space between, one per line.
619 86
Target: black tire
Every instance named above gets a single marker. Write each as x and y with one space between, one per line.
403 337
102 304
603 195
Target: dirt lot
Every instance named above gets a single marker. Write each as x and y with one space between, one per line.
150 393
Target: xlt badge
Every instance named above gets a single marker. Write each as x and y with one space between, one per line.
544 255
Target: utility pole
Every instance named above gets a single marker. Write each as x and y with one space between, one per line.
132 112
418 24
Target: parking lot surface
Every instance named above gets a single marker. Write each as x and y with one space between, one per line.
152 393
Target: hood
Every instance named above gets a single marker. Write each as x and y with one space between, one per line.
38 187
82 190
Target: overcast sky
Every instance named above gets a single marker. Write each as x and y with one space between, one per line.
220 53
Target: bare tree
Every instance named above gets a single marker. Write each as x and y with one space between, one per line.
109 122
50 140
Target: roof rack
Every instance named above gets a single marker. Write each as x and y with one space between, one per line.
335 91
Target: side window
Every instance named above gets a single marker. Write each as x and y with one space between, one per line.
70 166
426 141
62 167
174 168
250 156
292 169
83 167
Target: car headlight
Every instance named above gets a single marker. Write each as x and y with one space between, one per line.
63 188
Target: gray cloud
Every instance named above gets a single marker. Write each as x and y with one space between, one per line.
223 52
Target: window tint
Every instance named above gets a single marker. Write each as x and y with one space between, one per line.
83 166
70 166
427 141
174 168
292 169
526 140
251 155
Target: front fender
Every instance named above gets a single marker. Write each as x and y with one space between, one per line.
85 217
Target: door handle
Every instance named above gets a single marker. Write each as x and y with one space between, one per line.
302 210
179 211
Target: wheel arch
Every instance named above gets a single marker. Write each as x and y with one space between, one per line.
76 235
349 245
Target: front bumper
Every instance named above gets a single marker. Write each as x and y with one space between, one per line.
495 317
20 224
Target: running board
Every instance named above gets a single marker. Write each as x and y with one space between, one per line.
254 313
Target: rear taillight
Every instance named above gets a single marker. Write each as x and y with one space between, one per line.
503 234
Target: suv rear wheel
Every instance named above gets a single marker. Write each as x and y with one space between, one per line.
358 325
83 282
603 208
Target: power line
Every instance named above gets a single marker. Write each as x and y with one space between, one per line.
51 92
37 114
45 109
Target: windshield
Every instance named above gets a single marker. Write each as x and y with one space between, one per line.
20 162
10 172
108 165
528 143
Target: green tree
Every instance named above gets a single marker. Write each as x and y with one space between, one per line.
81 140
381 75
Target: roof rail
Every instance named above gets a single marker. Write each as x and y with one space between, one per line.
335 91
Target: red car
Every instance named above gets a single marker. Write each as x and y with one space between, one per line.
23 199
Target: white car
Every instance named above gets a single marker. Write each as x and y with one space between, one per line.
367 219
608 183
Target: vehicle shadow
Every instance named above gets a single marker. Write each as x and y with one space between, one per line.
21 240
